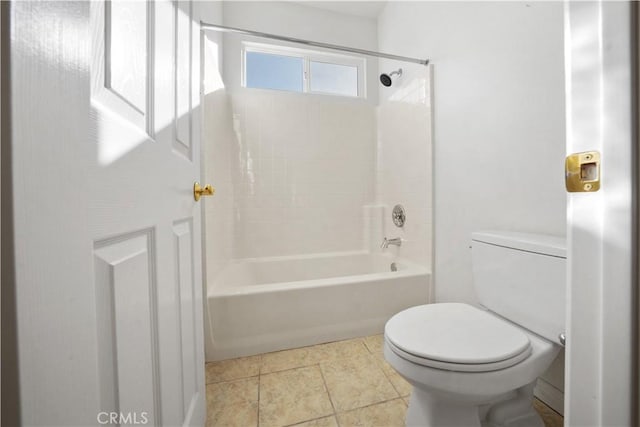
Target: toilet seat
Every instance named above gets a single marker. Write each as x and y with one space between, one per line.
456 337
461 367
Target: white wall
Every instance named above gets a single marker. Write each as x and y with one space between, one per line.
498 116
298 20
498 120
304 22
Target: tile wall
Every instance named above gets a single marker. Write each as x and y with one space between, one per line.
217 150
302 167
300 173
404 160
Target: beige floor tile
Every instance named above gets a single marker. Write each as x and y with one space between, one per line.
233 403
386 414
400 384
237 415
320 422
375 344
293 396
340 350
378 354
232 369
406 400
289 359
550 417
299 386
356 382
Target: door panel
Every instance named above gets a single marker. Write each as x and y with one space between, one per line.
126 52
182 142
127 330
186 290
110 315
120 65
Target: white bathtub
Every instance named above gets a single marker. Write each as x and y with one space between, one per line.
266 304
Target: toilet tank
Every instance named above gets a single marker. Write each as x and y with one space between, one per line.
522 277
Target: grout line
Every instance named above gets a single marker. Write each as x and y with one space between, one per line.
259 382
305 365
335 414
229 381
380 363
308 421
387 377
371 404
391 382
367 346
259 356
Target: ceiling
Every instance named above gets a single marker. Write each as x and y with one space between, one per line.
365 9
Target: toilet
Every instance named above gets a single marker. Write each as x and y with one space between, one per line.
478 365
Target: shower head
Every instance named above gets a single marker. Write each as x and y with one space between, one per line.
386 80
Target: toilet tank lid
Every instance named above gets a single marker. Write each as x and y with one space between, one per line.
544 244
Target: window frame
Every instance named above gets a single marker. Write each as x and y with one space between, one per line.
308 56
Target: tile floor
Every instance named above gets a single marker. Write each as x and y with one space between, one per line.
344 383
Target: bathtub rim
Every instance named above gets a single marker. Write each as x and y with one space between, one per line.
412 269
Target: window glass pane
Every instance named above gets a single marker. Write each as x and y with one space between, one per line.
334 78
267 71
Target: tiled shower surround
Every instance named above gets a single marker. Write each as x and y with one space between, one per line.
304 169
404 159
303 173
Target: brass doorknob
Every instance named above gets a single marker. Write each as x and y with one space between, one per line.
199 191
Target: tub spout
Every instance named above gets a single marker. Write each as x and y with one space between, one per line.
395 241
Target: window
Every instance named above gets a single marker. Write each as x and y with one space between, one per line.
267 71
300 70
333 78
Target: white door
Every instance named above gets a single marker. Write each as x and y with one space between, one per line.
600 99
105 139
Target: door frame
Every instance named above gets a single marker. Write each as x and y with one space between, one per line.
636 214
601 364
9 373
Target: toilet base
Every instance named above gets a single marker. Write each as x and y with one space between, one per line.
427 409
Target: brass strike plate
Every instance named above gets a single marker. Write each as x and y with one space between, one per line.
582 172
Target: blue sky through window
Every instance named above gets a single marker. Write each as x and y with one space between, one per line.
268 71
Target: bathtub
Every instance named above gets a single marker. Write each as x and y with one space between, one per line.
260 305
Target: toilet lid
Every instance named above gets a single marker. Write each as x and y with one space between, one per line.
456 333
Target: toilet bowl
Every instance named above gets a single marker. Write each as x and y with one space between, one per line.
472 366
450 371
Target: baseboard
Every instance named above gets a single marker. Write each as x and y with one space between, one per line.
550 395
